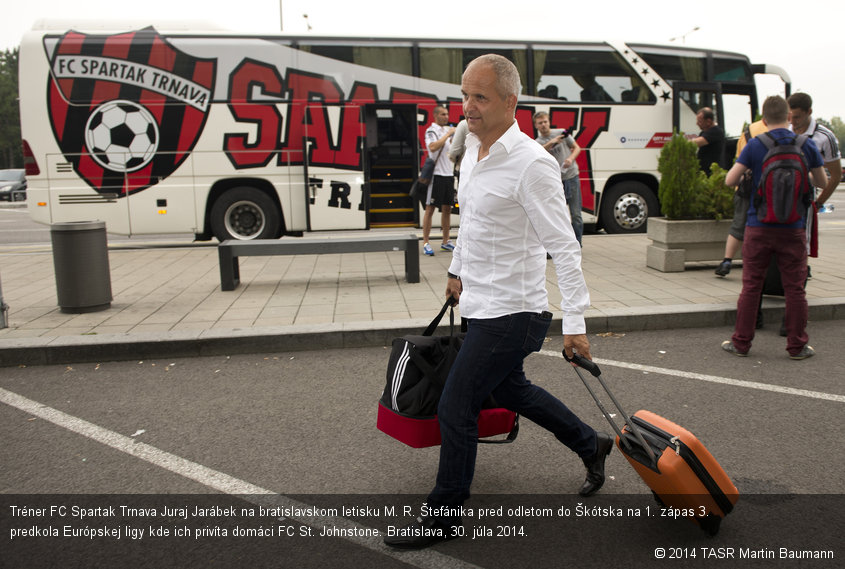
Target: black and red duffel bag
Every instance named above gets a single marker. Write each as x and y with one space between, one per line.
416 374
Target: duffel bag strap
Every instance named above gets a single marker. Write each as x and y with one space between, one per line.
450 302
426 368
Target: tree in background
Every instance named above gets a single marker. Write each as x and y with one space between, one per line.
11 155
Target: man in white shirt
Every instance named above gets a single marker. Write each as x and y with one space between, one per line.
441 190
512 212
801 117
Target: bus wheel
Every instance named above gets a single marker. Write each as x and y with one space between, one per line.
626 206
245 213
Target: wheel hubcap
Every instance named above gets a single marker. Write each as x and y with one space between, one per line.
630 211
244 220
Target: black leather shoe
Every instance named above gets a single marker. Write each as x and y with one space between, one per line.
595 465
421 533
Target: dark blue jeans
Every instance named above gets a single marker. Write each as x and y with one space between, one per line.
490 362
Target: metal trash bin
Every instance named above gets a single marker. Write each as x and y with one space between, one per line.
81 263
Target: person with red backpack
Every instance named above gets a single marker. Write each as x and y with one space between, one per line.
782 193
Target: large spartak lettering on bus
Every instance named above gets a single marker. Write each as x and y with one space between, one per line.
128 109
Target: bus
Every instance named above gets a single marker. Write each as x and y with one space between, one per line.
166 129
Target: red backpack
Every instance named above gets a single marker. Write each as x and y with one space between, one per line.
784 193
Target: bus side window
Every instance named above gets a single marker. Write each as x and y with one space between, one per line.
587 75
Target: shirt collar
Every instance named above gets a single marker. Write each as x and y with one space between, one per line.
508 140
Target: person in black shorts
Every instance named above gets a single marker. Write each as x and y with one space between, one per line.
441 190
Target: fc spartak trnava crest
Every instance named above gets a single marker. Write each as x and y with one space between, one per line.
126 109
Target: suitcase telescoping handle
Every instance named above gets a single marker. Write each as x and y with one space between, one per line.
577 361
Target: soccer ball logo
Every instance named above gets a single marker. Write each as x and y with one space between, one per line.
121 136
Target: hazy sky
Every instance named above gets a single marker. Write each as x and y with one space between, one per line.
813 57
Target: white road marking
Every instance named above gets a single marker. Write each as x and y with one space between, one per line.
713 379
222 482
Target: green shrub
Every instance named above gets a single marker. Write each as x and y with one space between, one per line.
685 192
719 198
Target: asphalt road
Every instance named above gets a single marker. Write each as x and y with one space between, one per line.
299 429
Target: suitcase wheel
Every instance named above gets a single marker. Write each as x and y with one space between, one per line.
710 524
657 499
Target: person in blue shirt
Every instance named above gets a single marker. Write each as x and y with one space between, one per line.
762 240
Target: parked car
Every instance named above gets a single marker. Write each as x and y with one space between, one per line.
12 185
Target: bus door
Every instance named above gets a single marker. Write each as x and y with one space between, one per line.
739 102
391 164
689 99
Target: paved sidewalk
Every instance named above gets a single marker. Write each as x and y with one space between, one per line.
168 302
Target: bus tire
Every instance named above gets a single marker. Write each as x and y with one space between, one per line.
626 206
245 213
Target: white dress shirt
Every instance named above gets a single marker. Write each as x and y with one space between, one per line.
512 212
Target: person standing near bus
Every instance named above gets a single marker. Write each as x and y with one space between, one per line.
742 196
565 150
762 240
710 141
801 117
441 190
456 152
513 211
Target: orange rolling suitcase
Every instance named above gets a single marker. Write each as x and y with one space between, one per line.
678 468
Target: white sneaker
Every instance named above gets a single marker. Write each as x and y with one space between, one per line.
428 250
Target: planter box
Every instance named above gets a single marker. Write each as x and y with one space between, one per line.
677 242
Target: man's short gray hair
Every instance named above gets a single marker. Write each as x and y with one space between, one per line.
507 75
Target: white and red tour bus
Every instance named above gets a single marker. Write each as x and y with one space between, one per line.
160 130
